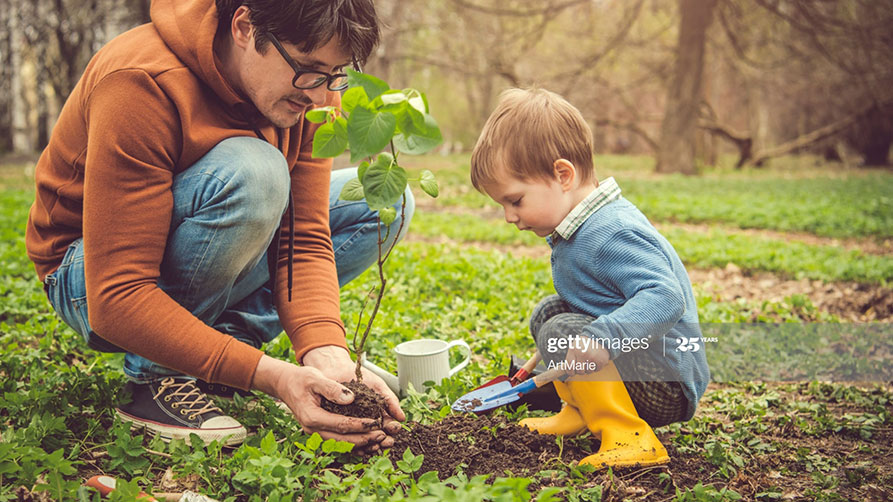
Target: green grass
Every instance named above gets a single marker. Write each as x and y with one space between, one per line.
845 207
468 228
58 396
716 248
821 201
752 440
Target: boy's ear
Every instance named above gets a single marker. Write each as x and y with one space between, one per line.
565 173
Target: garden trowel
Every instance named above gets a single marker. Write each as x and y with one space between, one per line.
522 374
502 393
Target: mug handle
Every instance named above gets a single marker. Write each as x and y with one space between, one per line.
459 343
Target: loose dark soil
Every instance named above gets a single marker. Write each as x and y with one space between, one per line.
366 404
800 447
466 442
483 445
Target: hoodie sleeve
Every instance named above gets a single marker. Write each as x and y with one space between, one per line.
312 318
134 142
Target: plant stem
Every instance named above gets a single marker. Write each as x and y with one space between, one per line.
359 345
381 285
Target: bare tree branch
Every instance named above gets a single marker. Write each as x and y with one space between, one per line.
616 41
632 127
742 142
548 9
812 137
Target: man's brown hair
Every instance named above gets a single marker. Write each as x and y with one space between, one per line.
309 24
527 132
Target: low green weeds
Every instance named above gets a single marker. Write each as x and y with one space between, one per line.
760 441
843 206
714 248
794 196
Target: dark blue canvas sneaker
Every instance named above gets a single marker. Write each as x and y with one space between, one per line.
220 390
174 408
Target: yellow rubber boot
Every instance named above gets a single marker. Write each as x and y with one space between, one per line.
606 407
567 422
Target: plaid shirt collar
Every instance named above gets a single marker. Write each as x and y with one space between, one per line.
607 191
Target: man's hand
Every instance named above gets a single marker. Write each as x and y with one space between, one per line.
302 390
335 363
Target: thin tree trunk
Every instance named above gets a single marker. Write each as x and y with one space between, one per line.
43 111
876 146
679 127
5 81
21 140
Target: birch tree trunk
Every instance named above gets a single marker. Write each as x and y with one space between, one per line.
5 81
676 151
21 139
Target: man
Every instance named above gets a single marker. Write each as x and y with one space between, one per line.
181 218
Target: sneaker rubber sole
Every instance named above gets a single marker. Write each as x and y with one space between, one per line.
228 434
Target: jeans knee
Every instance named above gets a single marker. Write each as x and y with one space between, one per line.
259 178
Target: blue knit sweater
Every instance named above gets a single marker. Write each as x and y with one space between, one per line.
617 267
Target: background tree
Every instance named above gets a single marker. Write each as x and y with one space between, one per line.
6 75
678 79
676 151
49 43
817 76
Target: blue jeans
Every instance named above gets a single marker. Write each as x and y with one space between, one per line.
227 207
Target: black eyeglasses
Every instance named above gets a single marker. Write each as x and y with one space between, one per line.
310 79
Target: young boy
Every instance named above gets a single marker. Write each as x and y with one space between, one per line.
624 322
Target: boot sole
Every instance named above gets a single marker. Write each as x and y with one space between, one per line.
227 436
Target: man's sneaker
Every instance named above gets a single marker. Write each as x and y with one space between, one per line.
173 408
220 390
226 392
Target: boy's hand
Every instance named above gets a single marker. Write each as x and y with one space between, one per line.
582 362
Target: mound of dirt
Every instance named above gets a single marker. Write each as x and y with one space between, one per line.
366 404
484 445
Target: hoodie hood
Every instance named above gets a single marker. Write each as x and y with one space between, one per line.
188 27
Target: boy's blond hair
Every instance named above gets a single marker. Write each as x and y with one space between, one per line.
527 132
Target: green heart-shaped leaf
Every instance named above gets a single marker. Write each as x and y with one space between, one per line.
429 183
369 132
415 145
354 97
372 85
318 115
352 190
384 182
330 140
361 169
387 215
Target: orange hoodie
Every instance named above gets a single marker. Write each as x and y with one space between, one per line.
149 105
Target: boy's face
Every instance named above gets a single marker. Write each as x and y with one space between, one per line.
534 204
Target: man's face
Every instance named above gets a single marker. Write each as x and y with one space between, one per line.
267 79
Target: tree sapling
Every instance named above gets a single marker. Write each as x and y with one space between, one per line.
373 117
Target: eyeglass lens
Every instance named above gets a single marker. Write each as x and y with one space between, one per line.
310 80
